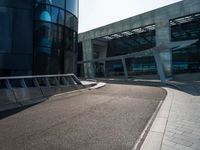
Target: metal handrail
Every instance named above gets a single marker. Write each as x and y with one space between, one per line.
36 76
68 79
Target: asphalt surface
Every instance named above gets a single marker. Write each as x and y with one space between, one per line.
109 118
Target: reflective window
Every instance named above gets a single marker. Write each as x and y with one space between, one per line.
54 14
55 38
45 16
45 1
186 60
72 6
61 17
71 21
58 3
130 44
5 30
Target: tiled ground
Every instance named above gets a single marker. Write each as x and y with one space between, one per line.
183 127
177 125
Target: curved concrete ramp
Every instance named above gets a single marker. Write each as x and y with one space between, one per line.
109 118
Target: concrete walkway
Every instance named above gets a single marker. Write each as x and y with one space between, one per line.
177 124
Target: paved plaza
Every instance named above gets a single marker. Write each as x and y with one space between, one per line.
177 125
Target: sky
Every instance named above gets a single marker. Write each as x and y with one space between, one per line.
96 13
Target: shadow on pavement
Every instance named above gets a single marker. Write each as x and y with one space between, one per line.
8 113
192 88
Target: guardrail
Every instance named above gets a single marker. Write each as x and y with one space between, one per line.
25 90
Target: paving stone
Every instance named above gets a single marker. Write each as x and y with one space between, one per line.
182 131
182 147
196 146
168 143
167 137
182 141
174 131
186 138
169 133
166 147
193 136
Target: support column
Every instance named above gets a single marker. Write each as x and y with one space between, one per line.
125 68
163 57
88 55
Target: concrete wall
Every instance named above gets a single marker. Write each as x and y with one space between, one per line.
88 55
160 17
176 10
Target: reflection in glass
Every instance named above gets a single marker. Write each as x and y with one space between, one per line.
59 3
186 60
131 44
72 6
45 16
60 18
55 38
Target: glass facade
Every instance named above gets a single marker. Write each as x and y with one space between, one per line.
55 44
130 44
16 37
186 60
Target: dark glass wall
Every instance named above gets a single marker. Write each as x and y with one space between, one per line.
55 45
16 32
186 60
130 44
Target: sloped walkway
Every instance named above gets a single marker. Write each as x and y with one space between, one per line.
108 118
177 125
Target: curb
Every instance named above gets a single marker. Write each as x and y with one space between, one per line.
146 130
99 85
154 138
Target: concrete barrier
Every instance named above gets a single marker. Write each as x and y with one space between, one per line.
28 90
49 91
7 100
68 88
26 96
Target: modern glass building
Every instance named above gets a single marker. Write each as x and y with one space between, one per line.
38 37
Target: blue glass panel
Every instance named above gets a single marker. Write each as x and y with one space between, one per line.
54 14
61 16
45 1
45 16
58 3
72 6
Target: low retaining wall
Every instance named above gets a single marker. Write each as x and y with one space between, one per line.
24 95
7 100
21 91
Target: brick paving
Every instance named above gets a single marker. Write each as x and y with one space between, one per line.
183 126
180 113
